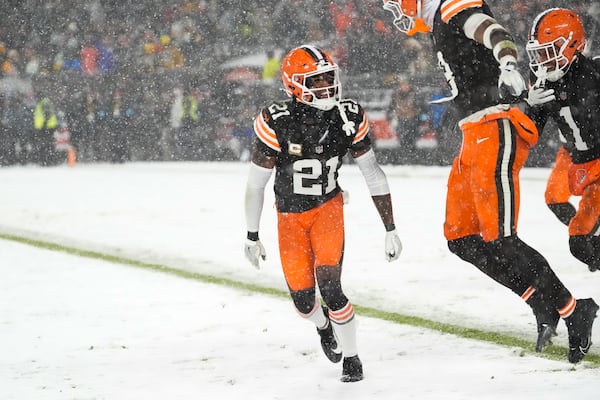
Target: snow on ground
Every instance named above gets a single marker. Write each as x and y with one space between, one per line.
78 328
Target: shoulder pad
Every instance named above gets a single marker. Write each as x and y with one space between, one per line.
276 109
348 101
461 9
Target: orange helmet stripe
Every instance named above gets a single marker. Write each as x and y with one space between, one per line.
453 7
266 134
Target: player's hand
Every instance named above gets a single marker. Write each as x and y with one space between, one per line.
393 246
510 82
254 251
538 96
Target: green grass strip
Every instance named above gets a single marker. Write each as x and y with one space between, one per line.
551 352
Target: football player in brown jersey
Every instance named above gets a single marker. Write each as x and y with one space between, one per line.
565 89
304 139
479 59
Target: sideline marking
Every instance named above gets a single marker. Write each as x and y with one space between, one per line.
552 352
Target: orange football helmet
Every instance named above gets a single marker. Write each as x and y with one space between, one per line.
555 39
407 15
312 77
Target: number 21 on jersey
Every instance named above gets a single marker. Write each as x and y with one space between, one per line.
309 174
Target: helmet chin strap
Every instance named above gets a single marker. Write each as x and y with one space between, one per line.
349 126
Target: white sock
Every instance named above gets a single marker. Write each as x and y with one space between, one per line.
344 326
316 315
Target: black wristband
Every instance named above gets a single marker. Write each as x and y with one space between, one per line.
389 227
252 236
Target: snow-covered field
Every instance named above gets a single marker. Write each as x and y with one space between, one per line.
74 327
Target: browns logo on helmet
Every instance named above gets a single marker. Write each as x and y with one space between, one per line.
555 39
312 77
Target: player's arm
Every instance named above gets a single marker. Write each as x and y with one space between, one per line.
377 184
261 168
364 156
484 29
380 193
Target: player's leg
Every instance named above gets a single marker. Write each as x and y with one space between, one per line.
463 225
496 169
327 238
584 229
297 261
557 192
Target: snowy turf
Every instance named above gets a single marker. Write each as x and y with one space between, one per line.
79 328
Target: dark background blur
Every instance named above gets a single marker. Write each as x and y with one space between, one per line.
183 80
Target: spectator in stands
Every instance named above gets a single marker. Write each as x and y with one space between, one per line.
45 122
89 58
404 119
271 67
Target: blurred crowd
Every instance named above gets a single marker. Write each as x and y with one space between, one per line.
114 81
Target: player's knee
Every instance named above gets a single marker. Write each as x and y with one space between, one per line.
466 247
304 300
509 248
331 291
582 248
563 211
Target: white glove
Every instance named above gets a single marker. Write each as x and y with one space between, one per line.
393 246
510 79
538 96
254 251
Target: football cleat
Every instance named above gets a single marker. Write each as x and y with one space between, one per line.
329 343
546 319
579 325
352 369
545 333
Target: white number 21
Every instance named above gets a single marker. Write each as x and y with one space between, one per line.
312 169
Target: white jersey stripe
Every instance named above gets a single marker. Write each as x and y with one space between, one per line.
363 129
505 178
453 7
266 134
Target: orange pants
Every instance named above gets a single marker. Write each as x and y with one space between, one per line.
557 187
483 187
584 180
565 178
311 239
587 219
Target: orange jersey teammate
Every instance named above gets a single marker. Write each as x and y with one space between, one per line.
479 58
304 140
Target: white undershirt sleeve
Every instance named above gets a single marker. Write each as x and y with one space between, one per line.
373 174
255 195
